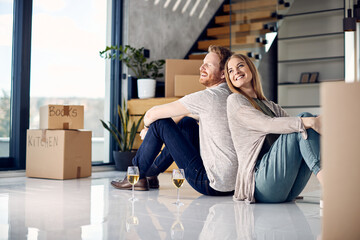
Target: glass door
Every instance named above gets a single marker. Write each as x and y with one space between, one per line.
65 64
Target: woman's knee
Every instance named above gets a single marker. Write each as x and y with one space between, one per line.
306 114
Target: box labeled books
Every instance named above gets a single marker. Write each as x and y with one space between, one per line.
62 117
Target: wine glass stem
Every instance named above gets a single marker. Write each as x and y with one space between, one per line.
178 199
133 192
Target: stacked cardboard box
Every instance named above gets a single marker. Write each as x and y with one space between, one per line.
186 84
182 77
59 149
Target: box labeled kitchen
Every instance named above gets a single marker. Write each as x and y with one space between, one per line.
62 117
58 154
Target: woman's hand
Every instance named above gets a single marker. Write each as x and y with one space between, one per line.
312 122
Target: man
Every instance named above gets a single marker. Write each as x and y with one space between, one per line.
210 170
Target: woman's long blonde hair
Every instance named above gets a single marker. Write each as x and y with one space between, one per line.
255 81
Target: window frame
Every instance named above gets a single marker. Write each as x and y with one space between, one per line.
20 85
115 71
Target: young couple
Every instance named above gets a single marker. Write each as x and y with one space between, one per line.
242 144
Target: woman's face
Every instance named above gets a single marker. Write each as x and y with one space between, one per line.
239 73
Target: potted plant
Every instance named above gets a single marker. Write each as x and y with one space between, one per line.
125 137
146 72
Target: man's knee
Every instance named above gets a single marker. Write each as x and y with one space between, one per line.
163 121
187 122
306 114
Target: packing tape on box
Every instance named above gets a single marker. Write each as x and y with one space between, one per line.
66 110
78 173
66 125
43 135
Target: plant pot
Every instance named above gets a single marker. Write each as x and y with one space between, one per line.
146 87
123 160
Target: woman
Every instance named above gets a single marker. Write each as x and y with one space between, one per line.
276 153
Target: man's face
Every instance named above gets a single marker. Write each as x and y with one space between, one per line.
210 73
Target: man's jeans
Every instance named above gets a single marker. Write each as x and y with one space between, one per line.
284 171
190 129
182 143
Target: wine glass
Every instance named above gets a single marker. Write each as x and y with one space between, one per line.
178 178
133 178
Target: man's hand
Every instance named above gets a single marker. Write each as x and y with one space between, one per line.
143 133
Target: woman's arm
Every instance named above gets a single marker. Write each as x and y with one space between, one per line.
256 121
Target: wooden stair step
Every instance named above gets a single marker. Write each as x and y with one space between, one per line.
242 34
247 40
197 56
246 17
252 28
202 56
247 5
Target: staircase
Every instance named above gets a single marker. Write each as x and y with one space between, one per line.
243 26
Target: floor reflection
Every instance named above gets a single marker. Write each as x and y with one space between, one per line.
272 221
132 221
57 208
92 209
177 228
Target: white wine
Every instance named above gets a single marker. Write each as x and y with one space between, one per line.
178 182
133 179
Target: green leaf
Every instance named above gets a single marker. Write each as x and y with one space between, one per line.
134 59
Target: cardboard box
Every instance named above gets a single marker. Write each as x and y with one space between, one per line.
58 154
62 117
186 84
340 153
179 67
140 106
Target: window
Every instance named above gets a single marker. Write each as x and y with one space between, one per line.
65 64
6 28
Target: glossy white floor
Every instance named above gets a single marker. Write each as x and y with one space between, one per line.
90 208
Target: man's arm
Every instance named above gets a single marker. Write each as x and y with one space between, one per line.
173 109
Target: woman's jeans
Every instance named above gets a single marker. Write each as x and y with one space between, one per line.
284 171
182 146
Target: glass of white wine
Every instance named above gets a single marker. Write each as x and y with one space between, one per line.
178 178
133 177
